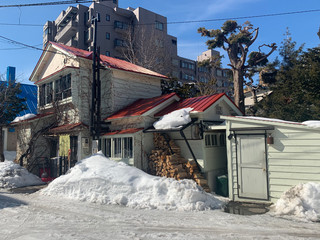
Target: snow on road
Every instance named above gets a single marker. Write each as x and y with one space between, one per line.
35 216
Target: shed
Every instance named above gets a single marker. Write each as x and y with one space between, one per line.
268 156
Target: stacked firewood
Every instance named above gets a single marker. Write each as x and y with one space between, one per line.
166 161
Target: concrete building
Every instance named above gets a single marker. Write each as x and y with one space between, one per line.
129 34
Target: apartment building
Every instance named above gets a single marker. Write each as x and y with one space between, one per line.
130 34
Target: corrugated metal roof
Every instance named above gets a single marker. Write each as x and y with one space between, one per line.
124 131
109 61
29 92
67 128
199 104
141 106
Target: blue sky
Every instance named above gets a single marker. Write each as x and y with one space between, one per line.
303 27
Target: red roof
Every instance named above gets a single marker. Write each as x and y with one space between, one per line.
67 127
141 106
124 131
108 61
199 104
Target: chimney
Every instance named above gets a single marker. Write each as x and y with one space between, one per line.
11 74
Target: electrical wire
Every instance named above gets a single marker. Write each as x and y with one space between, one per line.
187 22
47 3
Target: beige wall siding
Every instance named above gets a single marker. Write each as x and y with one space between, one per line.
293 158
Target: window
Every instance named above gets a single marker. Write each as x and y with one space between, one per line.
187 77
85 17
159 25
118 147
55 90
203 69
108 53
120 25
222 139
115 1
47 31
118 43
211 140
187 65
203 80
174 42
219 72
107 17
108 36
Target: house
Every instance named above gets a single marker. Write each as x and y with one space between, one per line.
268 156
131 133
29 92
63 77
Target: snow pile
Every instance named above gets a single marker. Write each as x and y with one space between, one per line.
174 119
24 117
13 175
301 201
99 179
312 123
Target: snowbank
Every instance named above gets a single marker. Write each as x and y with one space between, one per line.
99 179
301 201
174 119
13 175
24 117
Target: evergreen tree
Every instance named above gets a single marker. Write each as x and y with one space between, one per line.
295 95
236 39
10 106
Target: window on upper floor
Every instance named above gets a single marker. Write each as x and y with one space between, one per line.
159 25
108 17
174 42
55 90
187 65
119 43
108 53
107 35
115 1
219 72
187 77
120 25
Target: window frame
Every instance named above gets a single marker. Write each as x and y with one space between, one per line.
119 147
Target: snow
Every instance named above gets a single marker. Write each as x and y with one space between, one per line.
301 202
174 119
13 175
99 179
267 119
24 117
312 123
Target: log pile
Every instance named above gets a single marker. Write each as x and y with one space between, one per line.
166 161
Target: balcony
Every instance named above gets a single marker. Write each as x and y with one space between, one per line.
67 32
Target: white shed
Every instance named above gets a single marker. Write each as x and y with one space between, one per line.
268 156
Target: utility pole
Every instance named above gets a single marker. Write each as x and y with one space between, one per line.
95 120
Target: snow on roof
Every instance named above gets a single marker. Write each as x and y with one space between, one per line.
108 61
24 117
142 106
300 202
99 179
174 119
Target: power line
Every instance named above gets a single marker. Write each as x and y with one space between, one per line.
48 3
191 21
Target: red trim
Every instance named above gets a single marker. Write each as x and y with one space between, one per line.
199 104
141 106
124 131
67 127
43 79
